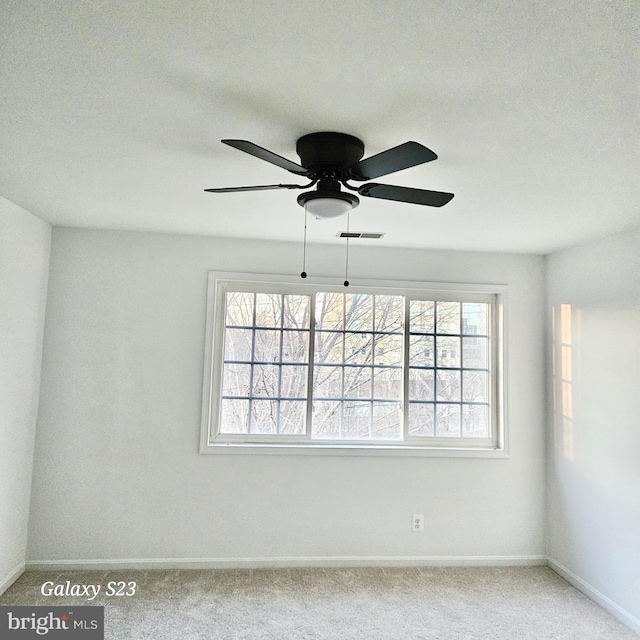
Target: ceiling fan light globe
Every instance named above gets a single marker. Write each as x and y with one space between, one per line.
325 204
325 208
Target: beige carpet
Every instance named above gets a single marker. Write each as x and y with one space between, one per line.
514 603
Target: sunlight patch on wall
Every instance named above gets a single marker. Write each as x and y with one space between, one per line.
563 355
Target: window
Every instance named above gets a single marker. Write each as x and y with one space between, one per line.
395 366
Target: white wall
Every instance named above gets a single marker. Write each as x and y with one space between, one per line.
24 265
117 473
594 441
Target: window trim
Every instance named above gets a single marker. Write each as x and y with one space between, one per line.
496 446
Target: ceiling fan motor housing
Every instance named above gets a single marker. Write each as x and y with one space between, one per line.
329 151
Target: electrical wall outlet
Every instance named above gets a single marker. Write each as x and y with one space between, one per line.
417 523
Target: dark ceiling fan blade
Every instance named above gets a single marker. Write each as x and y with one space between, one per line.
261 187
401 157
405 194
266 155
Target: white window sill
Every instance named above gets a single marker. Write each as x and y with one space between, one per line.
226 448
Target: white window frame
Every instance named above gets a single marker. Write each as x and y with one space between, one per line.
212 442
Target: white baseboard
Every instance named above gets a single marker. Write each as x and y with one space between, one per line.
12 577
284 562
606 603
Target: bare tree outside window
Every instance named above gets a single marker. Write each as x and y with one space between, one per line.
357 387
265 366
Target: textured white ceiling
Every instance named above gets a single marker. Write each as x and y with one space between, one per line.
112 113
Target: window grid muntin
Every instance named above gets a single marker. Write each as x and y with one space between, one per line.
489 294
489 403
253 362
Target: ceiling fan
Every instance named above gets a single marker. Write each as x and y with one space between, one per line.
330 160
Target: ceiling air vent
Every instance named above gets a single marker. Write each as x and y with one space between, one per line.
368 235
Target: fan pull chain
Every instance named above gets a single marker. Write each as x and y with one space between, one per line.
346 266
304 247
